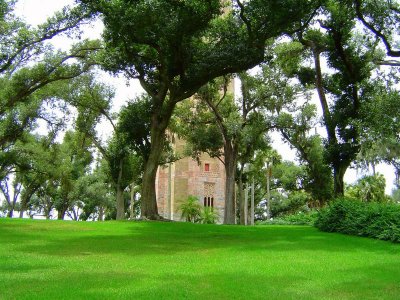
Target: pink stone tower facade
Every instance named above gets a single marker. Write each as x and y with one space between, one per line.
185 177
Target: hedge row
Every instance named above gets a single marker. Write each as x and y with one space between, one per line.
375 220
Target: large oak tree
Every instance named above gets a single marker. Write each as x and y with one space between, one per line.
175 47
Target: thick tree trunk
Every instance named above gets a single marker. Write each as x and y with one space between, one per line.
338 175
149 202
120 195
230 170
61 213
120 203
10 213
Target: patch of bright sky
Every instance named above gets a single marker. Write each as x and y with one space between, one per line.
37 11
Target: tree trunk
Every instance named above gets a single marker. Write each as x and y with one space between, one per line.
338 175
120 195
230 170
241 195
47 208
25 200
61 213
24 206
246 205
149 202
101 213
373 168
21 212
10 213
132 215
120 203
252 203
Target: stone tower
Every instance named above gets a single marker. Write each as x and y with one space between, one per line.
176 181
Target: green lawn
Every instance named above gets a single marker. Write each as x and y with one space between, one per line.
151 260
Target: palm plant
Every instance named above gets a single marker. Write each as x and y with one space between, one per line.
191 209
209 215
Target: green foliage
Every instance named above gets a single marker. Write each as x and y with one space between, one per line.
193 122
134 126
289 176
73 161
191 209
34 80
94 194
294 119
368 189
299 218
295 201
176 47
396 195
208 215
376 220
347 87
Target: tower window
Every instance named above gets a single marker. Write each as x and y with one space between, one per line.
209 202
207 167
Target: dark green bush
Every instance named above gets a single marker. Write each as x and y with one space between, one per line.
376 220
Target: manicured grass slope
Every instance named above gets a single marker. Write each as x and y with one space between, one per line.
144 260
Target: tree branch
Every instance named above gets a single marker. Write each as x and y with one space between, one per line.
380 34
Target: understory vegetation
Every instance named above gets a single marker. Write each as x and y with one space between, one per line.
376 220
293 219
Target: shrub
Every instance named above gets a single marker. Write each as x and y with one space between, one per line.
376 220
191 209
294 219
209 216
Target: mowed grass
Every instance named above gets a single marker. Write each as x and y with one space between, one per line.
152 260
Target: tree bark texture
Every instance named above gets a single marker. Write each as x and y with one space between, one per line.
61 213
230 171
240 196
338 175
149 202
120 195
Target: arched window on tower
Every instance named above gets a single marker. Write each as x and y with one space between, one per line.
209 190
